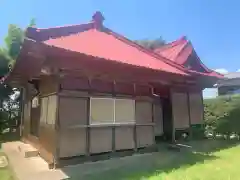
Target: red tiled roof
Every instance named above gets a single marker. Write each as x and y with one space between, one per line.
95 40
105 45
172 50
178 51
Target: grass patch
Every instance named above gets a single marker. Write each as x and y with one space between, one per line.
208 159
5 173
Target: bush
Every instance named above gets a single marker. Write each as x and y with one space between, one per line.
222 115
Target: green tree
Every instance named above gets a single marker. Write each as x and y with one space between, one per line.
222 115
9 104
151 44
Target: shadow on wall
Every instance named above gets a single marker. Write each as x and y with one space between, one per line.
147 165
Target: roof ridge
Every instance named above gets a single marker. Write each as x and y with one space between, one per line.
63 26
173 43
149 52
55 32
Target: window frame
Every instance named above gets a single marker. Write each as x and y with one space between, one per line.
114 111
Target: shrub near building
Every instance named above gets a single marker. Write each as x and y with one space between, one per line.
222 115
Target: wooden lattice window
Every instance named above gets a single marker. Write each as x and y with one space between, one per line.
112 111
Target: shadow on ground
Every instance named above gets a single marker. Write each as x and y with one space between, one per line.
9 136
137 167
144 165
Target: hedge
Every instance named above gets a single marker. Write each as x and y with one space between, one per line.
222 115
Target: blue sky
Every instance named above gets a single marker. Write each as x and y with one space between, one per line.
212 26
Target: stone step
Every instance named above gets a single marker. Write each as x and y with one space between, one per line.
27 150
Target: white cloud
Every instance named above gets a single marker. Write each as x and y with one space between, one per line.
238 70
222 70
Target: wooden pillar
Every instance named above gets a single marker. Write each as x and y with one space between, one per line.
21 108
173 126
135 126
154 123
88 119
189 114
202 109
57 125
114 127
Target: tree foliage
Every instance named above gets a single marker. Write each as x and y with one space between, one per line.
9 103
222 115
151 44
14 40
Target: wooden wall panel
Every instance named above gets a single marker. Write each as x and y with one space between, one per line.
145 136
100 139
101 86
124 138
101 111
47 132
75 83
73 142
124 111
47 139
143 112
72 111
44 110
52 108
142 90
196 108
124 88
158 119
48 85
180 110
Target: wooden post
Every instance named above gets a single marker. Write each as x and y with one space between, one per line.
114 127
22 107
189 114
88 120
135 126
202 110
173 126
153 127
57 125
